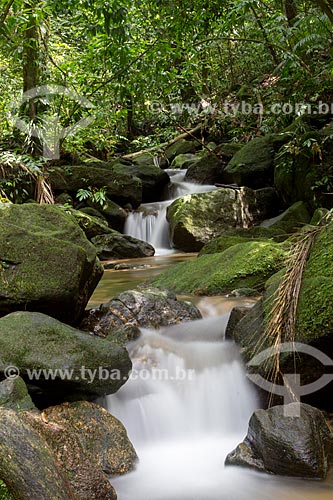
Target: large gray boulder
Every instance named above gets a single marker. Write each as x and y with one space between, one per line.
297 445
153 179
253 165
206 170
198 218
14 395
115 245
46 262
120 187
149 308
72 360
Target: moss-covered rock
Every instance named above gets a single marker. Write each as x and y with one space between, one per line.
292 219
34 341
120 187
153 179
277 229
113 213
314 318
148 308
46 262
14 395
253 165
90 225
206 170
303 170
103 438
179 148
245 265
183 161
198 218
115 245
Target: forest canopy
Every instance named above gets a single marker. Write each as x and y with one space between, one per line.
146 67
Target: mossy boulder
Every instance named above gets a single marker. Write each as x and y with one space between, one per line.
27 465
179 148
46 262
206 170
14 395
302 170
198 218
245 265
153 179
114 215
314 318
292 219
298 444
253 165
90 225
183 161
103 437
277 229
115 245
120 187
148 308
34 341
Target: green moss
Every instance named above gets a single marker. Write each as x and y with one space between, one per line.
4 493
245 265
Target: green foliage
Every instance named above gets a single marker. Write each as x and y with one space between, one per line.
4 493
94 195
135 60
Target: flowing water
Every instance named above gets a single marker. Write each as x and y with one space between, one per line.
186 407
149 222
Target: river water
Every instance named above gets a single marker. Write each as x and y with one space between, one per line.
187 406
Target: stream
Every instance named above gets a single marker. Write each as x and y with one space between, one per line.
185 419
188 402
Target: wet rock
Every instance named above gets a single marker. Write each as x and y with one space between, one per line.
300 446
46 262
198 218
121 246
206 170
14 395
33 341
27 465
149 308
102 436
179 148
183 161
153 179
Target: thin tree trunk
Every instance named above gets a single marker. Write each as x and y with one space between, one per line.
290 11
31 57
265 36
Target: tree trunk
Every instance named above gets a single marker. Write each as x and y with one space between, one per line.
31 57
290 10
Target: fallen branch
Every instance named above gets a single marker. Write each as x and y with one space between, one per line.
164 145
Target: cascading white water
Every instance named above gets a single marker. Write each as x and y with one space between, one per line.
187 405
149 222
185 408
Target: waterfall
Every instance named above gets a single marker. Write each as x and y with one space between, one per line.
185 408
149 222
